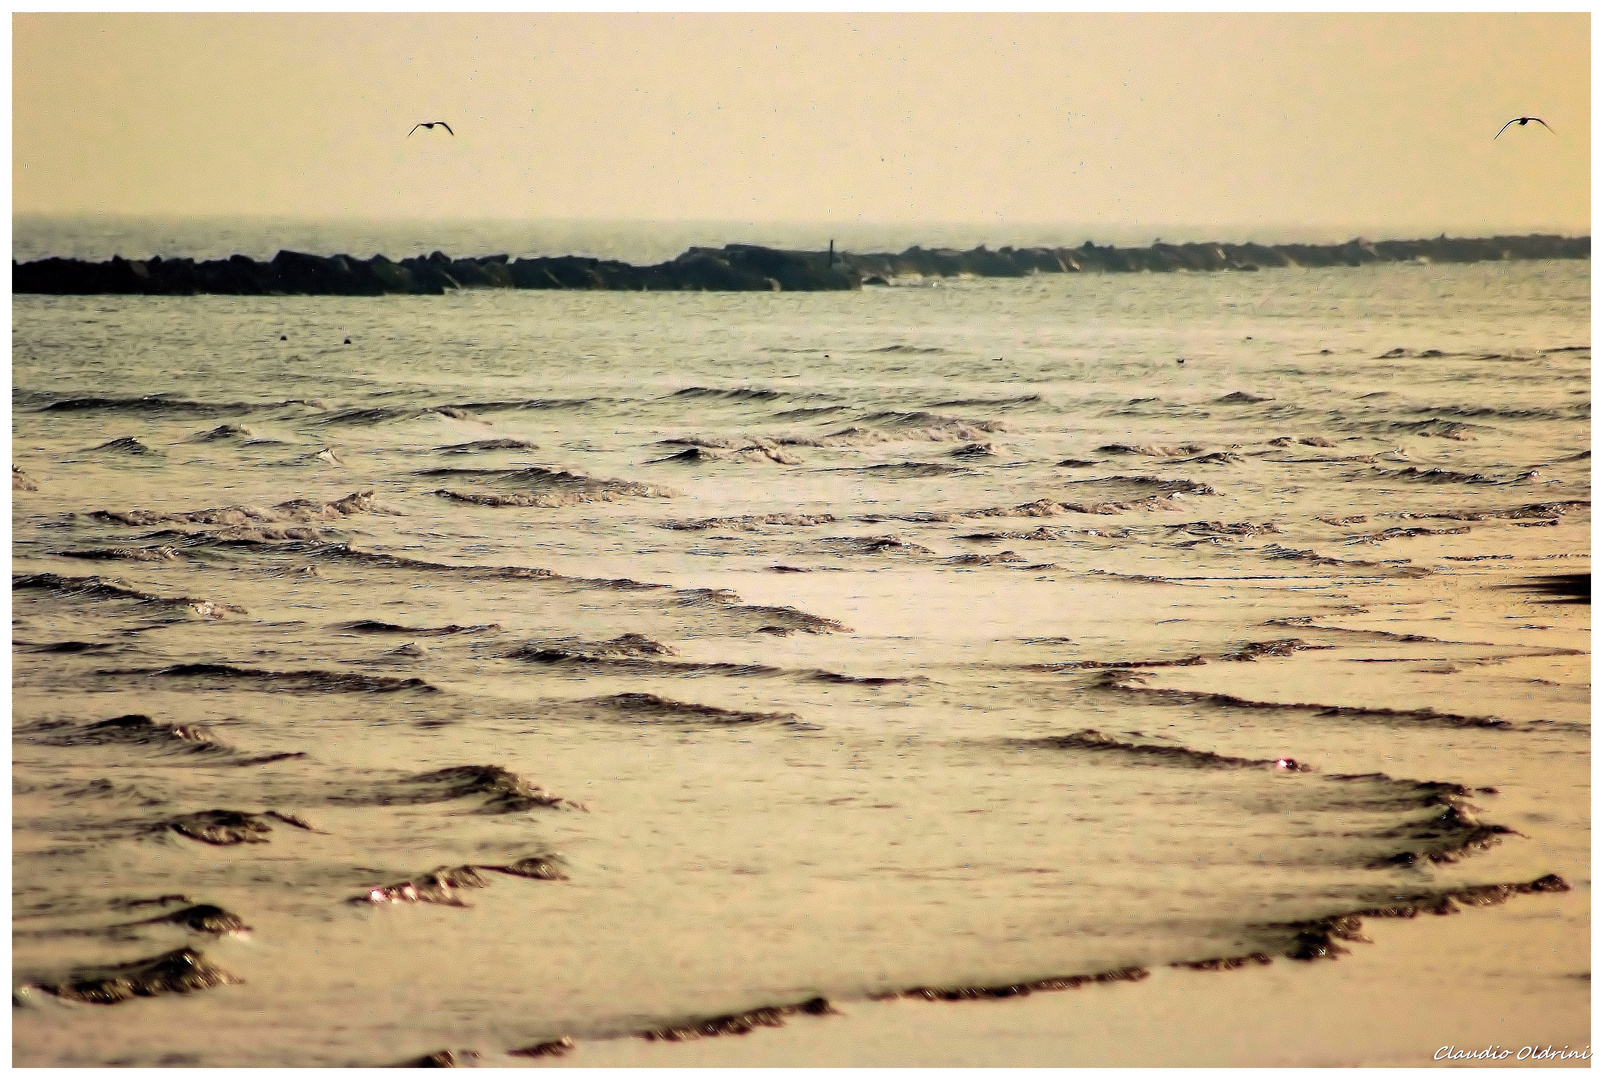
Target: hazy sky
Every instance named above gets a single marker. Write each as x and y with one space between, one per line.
1383 123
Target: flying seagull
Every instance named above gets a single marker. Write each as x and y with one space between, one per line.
430 124
1522 121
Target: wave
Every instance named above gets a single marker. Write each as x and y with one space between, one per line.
603 656
1435 427
809 413
441 886
223 432
374 626
164 553
1308 555
1163 695
1095 741
483 445
133 729
930 421
1557 508
1402 534
700 455
383 414
1043 533
164 405
1449 476
1217 457
1316 939
554 487
1000 558
306 510
308 681
545 500
181 971
1474 412
624 646
325 456
97 588
125 445
909 470
245 536
772 618
64 647
872 545
1119 495
1017 989
749 522
742 1023
1151 451
738 393
225 828
1155 484
999 403
1224 528
640 708
503 791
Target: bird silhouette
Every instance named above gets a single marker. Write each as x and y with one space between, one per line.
1522 121
430 124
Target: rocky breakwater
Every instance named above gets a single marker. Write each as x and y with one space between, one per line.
733 268
1161 257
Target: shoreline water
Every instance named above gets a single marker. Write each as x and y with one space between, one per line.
876 662
1374 1008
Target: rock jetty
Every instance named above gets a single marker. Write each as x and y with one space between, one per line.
733 268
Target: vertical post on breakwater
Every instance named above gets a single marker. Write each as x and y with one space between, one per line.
832 251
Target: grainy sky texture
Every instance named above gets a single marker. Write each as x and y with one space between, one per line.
1378 122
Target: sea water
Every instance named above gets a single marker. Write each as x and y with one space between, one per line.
949 635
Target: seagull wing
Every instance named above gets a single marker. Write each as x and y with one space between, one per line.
447 127
1539 120
1505 127
416 126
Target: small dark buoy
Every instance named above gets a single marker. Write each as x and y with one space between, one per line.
283 337
347 341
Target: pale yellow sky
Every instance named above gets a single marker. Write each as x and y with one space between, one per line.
1380 122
